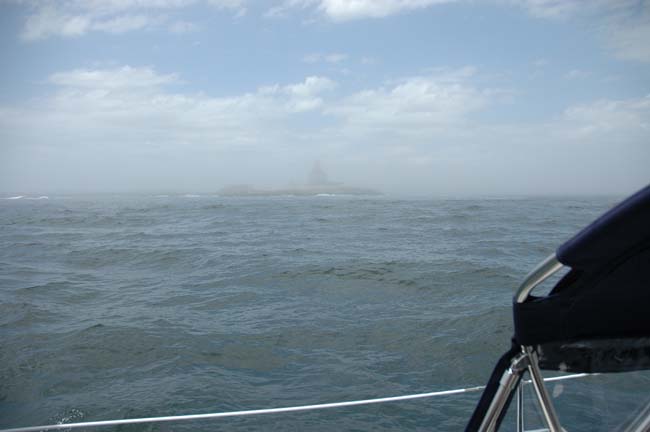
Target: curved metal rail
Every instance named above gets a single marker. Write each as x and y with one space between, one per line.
539 274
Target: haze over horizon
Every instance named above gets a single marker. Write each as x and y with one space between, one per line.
411 97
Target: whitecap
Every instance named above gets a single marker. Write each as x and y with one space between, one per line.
15 197
191 196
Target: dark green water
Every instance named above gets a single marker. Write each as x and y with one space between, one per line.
117 307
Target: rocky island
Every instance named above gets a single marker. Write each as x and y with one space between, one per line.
318 184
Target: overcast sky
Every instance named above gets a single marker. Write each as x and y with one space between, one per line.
433 97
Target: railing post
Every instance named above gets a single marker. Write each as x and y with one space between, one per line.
548 410
507 384
520 408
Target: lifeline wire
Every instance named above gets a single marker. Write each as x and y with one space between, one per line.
241 413
261 411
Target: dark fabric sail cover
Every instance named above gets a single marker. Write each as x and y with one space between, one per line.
619 231
597 318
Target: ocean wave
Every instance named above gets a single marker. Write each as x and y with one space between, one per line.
392 272
213 206
17 197
198 295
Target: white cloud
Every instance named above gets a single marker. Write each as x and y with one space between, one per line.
311 86
577 74
102 7
126 23
228 4
49 21
343 10
99 124
325 57
563 9
424 134
417 104
346 10
550 8
125 77
282 9
624 24
73 18
631 116
540 63
100 100
181 27
630 36
302 96
135 113
132 105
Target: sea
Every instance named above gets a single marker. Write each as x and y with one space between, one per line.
126 306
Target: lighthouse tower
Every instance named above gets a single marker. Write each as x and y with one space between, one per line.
318 177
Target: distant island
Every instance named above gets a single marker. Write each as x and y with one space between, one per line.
318 184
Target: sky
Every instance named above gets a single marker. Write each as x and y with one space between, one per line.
412 97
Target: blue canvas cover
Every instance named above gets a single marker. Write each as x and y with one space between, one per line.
597 318
616 232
